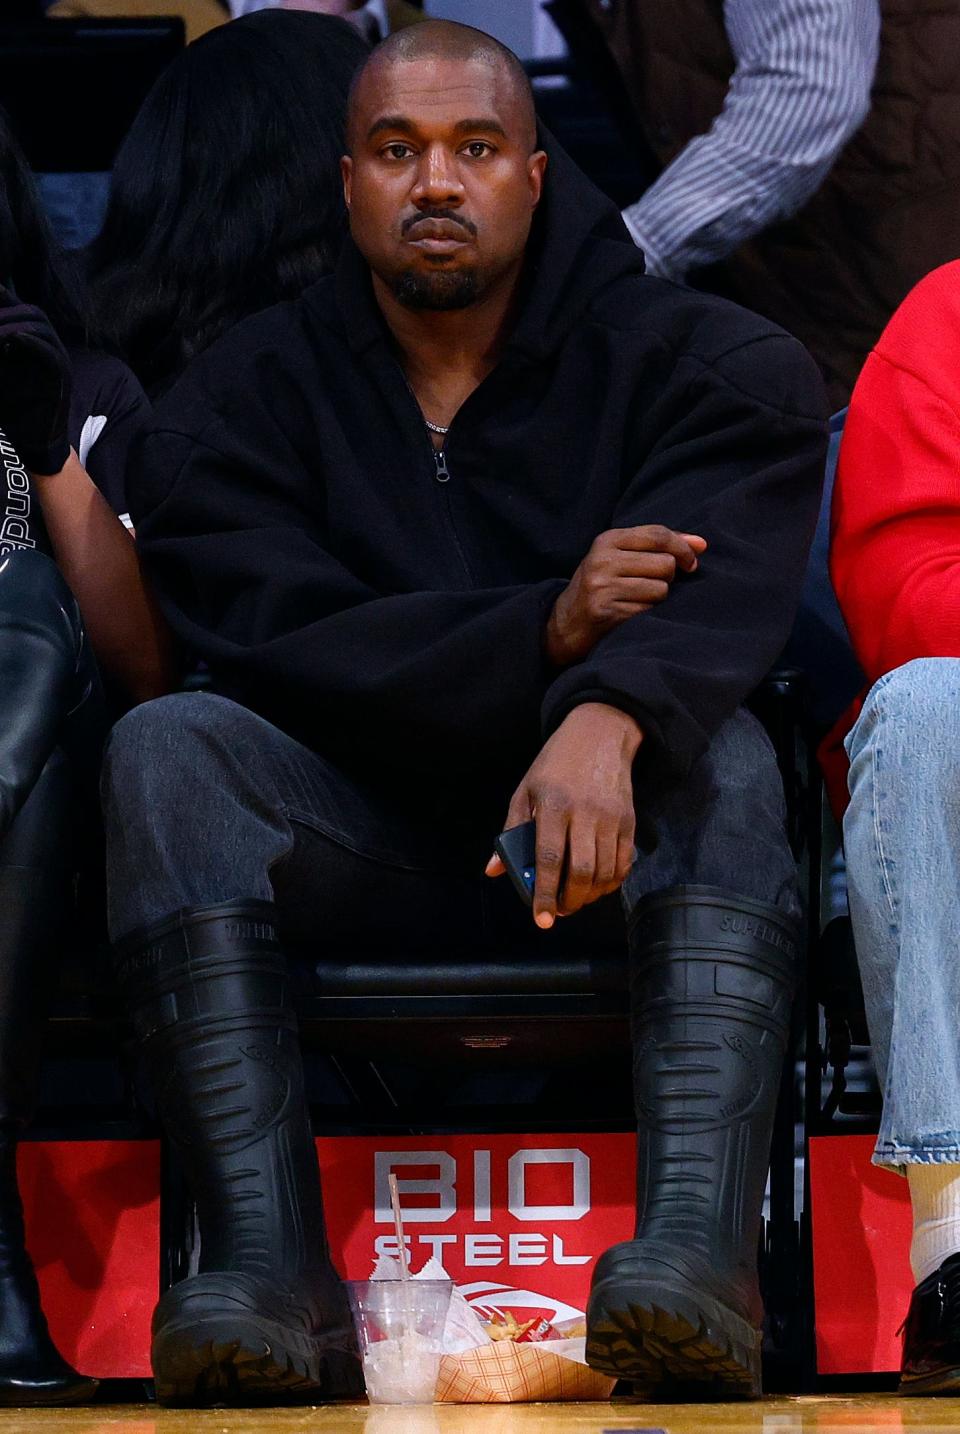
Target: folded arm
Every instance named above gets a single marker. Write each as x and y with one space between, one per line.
248 584
742 464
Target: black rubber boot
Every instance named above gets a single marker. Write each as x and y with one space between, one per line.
712 983
44 669
34 887
266 1316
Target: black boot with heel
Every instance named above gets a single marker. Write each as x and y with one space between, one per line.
677 1309
35 872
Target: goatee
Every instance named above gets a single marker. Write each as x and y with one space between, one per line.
440 292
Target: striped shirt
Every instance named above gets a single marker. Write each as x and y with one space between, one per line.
801 88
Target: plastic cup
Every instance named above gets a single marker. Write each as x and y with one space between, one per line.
400 1333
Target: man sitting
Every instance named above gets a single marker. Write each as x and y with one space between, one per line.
436 529
896 518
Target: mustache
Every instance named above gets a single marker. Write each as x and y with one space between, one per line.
448 214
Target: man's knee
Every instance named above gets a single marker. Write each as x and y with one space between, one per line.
29 578
726 825
740 768
910 724
167 749
33 590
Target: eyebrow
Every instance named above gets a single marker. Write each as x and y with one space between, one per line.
400 124
491 126
396 122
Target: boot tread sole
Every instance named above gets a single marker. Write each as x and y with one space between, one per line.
223 1362
662 1344
941 1381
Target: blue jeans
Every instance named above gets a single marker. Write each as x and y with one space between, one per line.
902 839
204 802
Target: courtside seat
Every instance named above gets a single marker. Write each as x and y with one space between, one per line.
518 1007
532 1007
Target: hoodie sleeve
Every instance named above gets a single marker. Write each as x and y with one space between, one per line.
246 583
741 463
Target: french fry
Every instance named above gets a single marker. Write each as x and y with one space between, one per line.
508 1327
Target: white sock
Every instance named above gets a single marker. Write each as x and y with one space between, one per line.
935 1197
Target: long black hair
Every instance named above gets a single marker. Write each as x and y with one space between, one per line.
31 262
226 192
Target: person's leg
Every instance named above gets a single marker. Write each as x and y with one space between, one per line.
204 802
45 671
902 840
220 831
714 943
35 874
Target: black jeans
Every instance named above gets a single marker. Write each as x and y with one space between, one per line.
204 802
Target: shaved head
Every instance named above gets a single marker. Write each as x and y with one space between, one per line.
443 172
445 40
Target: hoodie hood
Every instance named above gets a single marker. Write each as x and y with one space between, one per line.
578 246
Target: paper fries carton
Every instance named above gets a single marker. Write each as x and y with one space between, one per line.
490 1362
509 1373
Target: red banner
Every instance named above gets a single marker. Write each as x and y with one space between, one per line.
517 1221
861 1256
93 1228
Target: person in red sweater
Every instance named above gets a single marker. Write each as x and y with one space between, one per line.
895 564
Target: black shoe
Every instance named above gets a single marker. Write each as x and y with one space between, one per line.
677 1310
34 881
267 1316
32 1370
931 1334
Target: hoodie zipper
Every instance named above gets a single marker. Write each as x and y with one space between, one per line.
442 475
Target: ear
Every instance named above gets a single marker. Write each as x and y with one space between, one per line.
346 174
536 168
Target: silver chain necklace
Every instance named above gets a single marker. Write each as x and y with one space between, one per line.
436 427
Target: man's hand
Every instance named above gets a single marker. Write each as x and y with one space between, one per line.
35 384
626 571
580 791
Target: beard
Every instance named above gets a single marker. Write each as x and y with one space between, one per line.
440 292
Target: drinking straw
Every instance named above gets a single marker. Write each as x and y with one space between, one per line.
398 1226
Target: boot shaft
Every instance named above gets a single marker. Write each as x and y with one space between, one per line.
46 670
712 982
209 997
35 894
14 1262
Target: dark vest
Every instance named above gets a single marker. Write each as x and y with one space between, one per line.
887 213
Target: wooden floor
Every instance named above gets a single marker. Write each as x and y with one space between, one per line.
863 1414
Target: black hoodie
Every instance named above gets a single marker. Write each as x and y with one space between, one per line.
287 503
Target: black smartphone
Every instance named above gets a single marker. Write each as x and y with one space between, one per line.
517 849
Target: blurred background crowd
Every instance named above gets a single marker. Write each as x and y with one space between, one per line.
799 156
